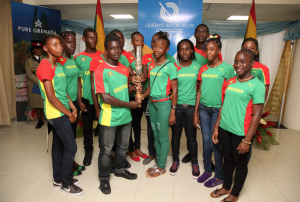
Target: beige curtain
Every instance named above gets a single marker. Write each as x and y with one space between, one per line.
281 82
7 72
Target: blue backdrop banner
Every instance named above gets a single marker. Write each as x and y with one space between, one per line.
177 17
29 23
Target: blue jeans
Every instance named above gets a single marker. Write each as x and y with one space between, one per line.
63 136
108 135
208 117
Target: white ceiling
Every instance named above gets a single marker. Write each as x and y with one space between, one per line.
211 11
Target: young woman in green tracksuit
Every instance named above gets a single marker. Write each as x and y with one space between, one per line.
163 79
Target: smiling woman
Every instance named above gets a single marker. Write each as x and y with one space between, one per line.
237 122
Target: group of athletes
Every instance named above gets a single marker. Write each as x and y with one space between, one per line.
199 91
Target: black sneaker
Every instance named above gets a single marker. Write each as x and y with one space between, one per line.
59 184
195 171
127 175
72 189
87 158
39 124
186 158
174 168
105 187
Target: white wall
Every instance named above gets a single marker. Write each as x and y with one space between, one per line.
291 117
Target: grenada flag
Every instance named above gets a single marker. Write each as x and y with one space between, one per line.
99 27
251 26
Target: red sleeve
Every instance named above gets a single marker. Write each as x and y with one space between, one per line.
94 64
224 87
220 57
99 80
45 71
202 69
266 73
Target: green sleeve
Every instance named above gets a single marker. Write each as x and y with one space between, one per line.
172 72
258 96
123 60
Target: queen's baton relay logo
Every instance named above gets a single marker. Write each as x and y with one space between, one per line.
165 15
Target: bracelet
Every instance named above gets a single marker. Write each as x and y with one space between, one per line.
216 128
246 142
74 110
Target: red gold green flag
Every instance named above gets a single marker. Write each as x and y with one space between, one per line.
251 26
99 27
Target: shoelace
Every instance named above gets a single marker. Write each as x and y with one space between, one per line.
195 168
174 165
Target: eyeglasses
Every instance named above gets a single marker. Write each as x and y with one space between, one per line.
66 33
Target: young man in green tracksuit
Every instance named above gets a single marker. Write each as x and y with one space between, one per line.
163 79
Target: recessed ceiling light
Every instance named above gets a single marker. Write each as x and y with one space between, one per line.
122 16
238 17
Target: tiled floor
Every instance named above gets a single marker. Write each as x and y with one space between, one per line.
26 172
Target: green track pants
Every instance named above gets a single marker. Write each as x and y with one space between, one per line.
159 113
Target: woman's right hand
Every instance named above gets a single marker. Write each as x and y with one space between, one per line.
215 136
82 106
196 121
72 118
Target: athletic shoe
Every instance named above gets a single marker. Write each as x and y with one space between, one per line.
213 182
204 177
105 187
195 171
72 189
174 168
59 184
186 158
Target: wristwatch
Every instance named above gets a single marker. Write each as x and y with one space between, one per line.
173 106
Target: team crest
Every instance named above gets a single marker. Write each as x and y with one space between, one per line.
52 67
131 58
150 59
110 73
83 59
61 59
100 61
